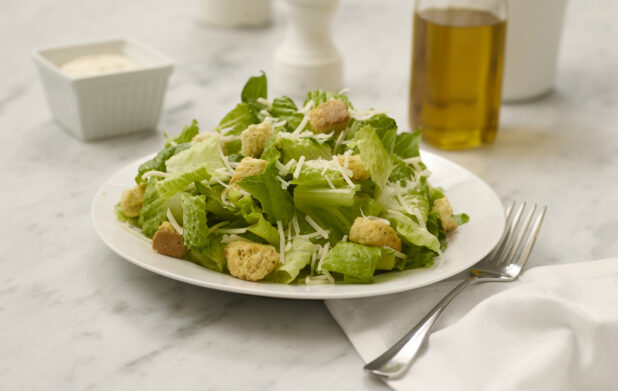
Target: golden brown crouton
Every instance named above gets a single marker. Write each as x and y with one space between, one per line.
250 261
248 167
446 213
330 116
355 164
131 200
167 241
374 233
254 139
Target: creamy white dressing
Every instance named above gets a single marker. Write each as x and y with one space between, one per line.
99 63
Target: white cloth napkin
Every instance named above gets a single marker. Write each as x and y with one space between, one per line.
555 328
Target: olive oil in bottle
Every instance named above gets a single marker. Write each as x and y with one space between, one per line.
456 76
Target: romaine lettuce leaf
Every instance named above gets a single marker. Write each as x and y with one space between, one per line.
417 257
154 209
375 157
294 148
406 144
312 177
319 96
264 230
285 109
157 163
412 232
237 120
245 206
180 180
461 218
194 220
256 87
185 136
266 188
354 260
323 197
204 152
211 256
123 217
296 259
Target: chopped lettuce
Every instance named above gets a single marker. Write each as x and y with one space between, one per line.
413 232
375 157
406 144
300 211
264 230
211 256
157 163
461 218
154 209
204 152
180 180
294 148
185 136
237 120
318 97
296 259
266 188
353 260
285 109
194 221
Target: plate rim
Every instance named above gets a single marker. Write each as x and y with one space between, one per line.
307 295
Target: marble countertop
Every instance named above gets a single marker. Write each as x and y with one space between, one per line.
76 316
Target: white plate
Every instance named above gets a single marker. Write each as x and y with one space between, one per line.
467 245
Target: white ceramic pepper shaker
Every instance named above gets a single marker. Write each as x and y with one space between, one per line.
307 59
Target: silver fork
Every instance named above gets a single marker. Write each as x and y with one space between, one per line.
505 263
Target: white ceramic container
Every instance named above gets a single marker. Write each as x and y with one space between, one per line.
534 28
105 104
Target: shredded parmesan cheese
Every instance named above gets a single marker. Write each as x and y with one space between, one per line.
214 178
232 230
160 174
172 220
309 236
284 183
283 170
344 172
323 233
298 167
330 183
265 102
281 242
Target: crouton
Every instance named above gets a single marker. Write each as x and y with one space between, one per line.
444 209
131 200
248 167
330 116
355 164
167 241
254 139
250 261
374 233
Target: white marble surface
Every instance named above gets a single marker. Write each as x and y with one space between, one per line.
76 316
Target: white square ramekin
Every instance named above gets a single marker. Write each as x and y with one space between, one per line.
106 104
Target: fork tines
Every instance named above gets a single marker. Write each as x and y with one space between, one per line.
518 231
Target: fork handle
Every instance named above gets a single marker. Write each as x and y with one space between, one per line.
396 360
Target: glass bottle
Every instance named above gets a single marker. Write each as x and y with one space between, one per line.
457 59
